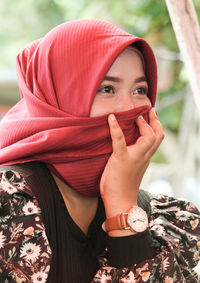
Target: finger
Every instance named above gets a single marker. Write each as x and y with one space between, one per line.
148 137
117 136
156 126
155 123
158 134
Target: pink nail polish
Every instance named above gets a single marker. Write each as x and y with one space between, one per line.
112 117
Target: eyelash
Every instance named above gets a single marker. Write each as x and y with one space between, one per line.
103 88
110 89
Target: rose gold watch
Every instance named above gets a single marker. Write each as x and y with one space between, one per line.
134 219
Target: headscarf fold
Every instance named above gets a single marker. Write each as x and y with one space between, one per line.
58 78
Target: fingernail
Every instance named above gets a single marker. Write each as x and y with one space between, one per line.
140 117
112 117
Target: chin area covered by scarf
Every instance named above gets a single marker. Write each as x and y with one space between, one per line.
84 169
75 153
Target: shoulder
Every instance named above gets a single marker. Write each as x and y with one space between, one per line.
23 238
168 211
167 204
176 223
16 196
12 181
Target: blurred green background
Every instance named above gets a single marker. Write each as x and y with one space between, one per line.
22 21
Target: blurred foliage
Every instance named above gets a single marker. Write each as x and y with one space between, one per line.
25 20
158 157
171 117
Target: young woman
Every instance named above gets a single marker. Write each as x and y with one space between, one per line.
73 152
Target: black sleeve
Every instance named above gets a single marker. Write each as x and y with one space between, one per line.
128 250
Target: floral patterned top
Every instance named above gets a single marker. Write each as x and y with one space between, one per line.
26 255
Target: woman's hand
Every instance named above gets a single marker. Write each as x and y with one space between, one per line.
126 166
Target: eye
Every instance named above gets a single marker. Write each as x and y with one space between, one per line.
106 89
141 90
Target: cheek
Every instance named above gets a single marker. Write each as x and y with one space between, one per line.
148 102
100 107
142 101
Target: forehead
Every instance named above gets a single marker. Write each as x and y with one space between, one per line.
127 61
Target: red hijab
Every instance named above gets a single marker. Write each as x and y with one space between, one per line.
58 77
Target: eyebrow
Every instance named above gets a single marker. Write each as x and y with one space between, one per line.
117 79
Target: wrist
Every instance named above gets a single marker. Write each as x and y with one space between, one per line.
132 221
114 208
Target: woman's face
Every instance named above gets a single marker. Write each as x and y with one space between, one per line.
124 86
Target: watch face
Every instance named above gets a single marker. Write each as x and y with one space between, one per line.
137 219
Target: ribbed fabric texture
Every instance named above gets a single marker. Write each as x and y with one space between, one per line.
58 77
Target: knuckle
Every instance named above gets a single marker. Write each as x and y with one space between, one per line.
119 136
152 139
117 133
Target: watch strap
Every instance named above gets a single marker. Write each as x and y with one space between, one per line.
118 222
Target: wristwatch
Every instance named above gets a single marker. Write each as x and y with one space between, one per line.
135 219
